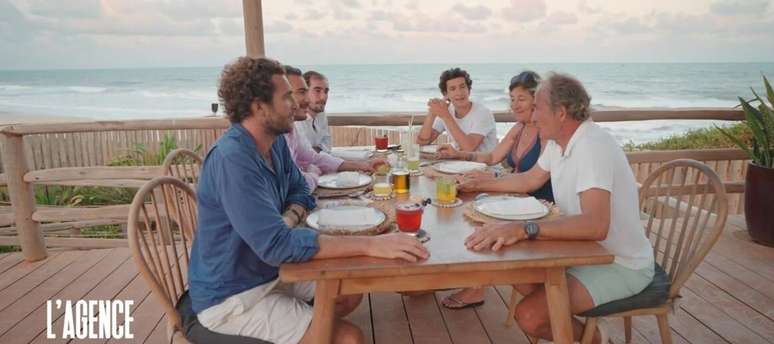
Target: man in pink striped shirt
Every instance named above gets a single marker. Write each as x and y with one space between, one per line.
311 163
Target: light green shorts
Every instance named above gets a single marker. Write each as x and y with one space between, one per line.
611 282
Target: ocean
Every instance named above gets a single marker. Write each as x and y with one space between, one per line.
106 94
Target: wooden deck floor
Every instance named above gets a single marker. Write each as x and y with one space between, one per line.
730 299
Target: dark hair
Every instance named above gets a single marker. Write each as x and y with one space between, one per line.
310 74
245 80
453 74
527 80
565 90
290 70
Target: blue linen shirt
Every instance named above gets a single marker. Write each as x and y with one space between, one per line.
241 238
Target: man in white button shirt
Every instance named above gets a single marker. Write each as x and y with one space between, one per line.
315 127
594 186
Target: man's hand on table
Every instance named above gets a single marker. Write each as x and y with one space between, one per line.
397 245
495 236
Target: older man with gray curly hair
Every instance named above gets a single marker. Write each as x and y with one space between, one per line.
595 187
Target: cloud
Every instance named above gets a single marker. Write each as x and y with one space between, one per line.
349 3
423 23
584 7
739 7
314 14
74 8
380 15
279 26
479 12
524 10
561 18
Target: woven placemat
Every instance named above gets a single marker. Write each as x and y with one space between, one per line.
431 172
383 227
457 202
321 192
474 216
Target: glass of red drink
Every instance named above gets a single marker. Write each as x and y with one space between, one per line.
381 142
409 217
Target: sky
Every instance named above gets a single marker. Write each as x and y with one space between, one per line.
52 34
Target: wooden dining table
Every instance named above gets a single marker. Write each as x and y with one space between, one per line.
450 265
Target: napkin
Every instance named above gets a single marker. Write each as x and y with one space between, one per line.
349 217
513 206
351 154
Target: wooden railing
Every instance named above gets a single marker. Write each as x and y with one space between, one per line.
76 154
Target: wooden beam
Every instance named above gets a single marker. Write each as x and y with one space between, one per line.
154 124
22 197
358 119
718 154
402 118
72 242
253 28
98 172
65 214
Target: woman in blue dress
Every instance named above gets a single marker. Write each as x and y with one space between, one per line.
520 148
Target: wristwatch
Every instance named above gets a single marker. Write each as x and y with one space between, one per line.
532 230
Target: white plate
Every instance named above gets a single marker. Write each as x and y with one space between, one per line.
364 217
459 167
507 207
352 154
430 149
330 181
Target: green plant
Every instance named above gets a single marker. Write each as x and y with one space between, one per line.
760 120
141 155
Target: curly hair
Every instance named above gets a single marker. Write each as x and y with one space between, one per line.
527 80
245 80
565 90
453 74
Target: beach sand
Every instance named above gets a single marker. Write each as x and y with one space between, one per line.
7 118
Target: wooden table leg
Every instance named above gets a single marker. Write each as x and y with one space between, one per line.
559 305
325 295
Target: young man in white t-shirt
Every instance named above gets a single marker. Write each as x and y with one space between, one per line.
470 125
595 187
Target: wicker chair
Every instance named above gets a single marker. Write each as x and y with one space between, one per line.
686 208
183 164
162 226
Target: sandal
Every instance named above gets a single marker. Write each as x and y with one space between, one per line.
458 304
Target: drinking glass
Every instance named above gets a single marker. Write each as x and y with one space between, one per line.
401 181
445 190
382 187
381 142
409 217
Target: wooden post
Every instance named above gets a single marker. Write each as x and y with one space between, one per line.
253 28
22 198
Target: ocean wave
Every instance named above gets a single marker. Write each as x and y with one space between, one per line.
195 95
86 89
7 87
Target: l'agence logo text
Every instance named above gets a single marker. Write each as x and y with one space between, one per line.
91 319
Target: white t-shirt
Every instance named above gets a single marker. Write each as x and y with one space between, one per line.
593 159
316 131
478 121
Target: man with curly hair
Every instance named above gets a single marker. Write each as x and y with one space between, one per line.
470 124
250 196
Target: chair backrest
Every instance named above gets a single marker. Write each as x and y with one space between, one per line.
687 208
184 164
162 225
